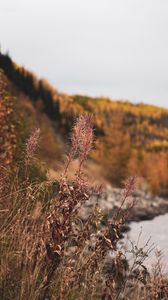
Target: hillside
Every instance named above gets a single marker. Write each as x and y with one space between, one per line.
130 139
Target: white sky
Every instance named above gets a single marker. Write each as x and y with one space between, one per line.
116 48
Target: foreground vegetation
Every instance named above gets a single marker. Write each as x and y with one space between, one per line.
47 251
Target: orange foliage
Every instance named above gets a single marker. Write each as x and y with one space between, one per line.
7 127
132 138
114 150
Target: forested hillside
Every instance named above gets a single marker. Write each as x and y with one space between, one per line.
131 139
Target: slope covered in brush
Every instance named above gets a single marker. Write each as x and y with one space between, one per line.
132 139
8 124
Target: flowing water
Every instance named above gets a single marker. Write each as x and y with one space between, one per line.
156 230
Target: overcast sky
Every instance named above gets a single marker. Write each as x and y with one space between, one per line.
116 48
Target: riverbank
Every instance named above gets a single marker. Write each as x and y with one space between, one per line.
147 206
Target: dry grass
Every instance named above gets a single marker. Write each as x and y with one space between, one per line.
49 252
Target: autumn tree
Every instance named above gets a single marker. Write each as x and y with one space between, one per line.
114 150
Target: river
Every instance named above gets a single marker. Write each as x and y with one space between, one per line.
156 230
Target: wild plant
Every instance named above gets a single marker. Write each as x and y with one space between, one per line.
48 251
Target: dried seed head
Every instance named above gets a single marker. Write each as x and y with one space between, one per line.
82 136
32 144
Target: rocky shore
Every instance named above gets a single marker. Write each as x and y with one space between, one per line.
147 206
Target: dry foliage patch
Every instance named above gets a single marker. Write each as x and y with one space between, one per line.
7 124
49 252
